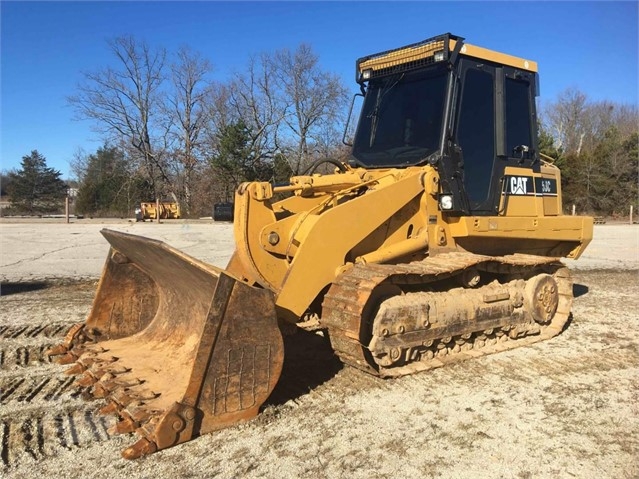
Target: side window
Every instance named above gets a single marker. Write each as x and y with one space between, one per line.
476 133
517 115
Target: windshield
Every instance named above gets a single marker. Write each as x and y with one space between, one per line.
401 119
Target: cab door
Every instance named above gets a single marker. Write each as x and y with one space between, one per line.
494 129
476 133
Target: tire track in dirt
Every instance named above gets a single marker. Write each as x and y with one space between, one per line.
29 387
43 413
41 330
41 410
42 433
23 356
26 345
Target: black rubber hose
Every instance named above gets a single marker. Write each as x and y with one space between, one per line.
311 169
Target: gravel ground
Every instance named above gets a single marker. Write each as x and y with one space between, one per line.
567 407
50 249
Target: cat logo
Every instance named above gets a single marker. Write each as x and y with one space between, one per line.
529 186
518 185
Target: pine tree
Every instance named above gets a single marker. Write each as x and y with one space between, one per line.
35 187
107 186
235 161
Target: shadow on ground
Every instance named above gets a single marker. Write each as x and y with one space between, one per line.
308 362
579 290
16 288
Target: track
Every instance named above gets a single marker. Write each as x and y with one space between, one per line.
351 303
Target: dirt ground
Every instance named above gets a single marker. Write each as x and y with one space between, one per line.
567 407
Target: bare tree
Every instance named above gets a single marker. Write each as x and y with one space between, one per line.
124 101
274 117
314 100
188 115
253 98
565 120
290 105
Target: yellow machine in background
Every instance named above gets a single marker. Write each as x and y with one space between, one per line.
149 211
437 242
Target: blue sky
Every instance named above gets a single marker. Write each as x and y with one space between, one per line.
46 45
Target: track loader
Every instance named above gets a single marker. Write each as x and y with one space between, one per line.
438 241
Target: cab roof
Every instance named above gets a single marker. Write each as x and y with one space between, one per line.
433 50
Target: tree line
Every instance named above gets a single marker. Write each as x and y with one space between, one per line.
595 144
172 132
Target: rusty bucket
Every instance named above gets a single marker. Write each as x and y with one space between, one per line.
178 347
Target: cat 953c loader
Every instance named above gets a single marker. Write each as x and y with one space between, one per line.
439 240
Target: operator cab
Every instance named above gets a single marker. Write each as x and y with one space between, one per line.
466 110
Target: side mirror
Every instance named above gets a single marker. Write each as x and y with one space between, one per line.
351 125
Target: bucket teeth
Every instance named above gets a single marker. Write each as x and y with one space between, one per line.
141 414
148 428
100 390
122 383
57 350
102 374
123 426
122 397
109 370
74 337
77 368
86 380
80 350
105 370
139 449
111 408
119 390
126 396
143 395
96 361
67 358
117 369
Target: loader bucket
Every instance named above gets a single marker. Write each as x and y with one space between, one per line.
178 347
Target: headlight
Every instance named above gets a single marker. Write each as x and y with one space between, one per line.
438 56
446 202
366 74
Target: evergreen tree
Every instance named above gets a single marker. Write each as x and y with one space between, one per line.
235 162
35 187
107 187
5 181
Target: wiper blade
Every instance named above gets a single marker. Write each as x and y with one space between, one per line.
374 116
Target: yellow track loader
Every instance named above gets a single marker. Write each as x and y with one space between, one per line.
438 241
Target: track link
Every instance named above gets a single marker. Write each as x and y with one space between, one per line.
352 301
